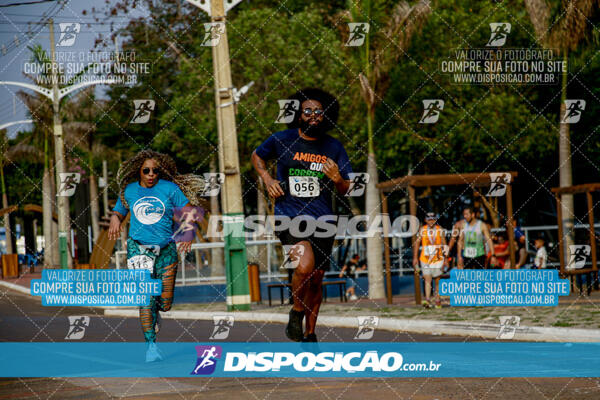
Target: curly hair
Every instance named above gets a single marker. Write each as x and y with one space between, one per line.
331 107
191 185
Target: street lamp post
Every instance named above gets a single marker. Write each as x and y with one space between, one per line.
238 294
56 95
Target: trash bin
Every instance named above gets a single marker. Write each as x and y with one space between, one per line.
254 282
10 266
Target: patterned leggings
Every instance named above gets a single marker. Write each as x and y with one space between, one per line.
165 269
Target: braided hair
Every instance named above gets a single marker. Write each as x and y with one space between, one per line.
191 185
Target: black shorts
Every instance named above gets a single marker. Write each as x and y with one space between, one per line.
321 247
475 262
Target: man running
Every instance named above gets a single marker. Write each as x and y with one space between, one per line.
432 241
312 167
471 249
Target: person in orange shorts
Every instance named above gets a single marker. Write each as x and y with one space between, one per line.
432 241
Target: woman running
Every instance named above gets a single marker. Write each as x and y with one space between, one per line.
151 187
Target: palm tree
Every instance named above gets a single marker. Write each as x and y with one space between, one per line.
83 111
563 31
378 58
7 230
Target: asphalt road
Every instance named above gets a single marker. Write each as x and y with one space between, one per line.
23 319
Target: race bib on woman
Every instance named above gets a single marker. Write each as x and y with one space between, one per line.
141 261
304 186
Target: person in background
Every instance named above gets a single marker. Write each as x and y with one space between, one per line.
541 256
432 241
521 256
500 260
349 271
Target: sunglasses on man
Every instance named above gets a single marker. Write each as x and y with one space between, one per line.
309 111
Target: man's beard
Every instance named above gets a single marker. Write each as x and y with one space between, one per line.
312 130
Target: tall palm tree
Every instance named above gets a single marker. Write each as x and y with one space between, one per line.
83 111
378 58
7 230
564 31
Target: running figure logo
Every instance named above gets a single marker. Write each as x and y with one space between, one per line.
366 327
77 325
287 111
431 111
508 326
500 31
573 109
68 183
186 220
358 184
498 184
214 181
579 254
142 111
223 325
212 33
358 33
68 33
207 359
294 252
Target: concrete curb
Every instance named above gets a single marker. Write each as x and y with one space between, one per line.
431 327
487 331
15 287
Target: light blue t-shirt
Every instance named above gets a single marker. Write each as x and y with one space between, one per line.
152 211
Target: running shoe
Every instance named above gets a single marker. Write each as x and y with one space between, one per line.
425 303
158 322
353 297
294 327
152 353
310 338
438 304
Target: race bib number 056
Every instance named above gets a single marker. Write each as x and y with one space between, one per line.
304 186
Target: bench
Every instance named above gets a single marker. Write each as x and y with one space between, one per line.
340 283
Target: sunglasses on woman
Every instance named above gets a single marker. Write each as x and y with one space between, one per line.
146 171
309 111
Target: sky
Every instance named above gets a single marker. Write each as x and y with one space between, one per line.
14 54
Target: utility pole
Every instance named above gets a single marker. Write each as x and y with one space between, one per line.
59 154
238 294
